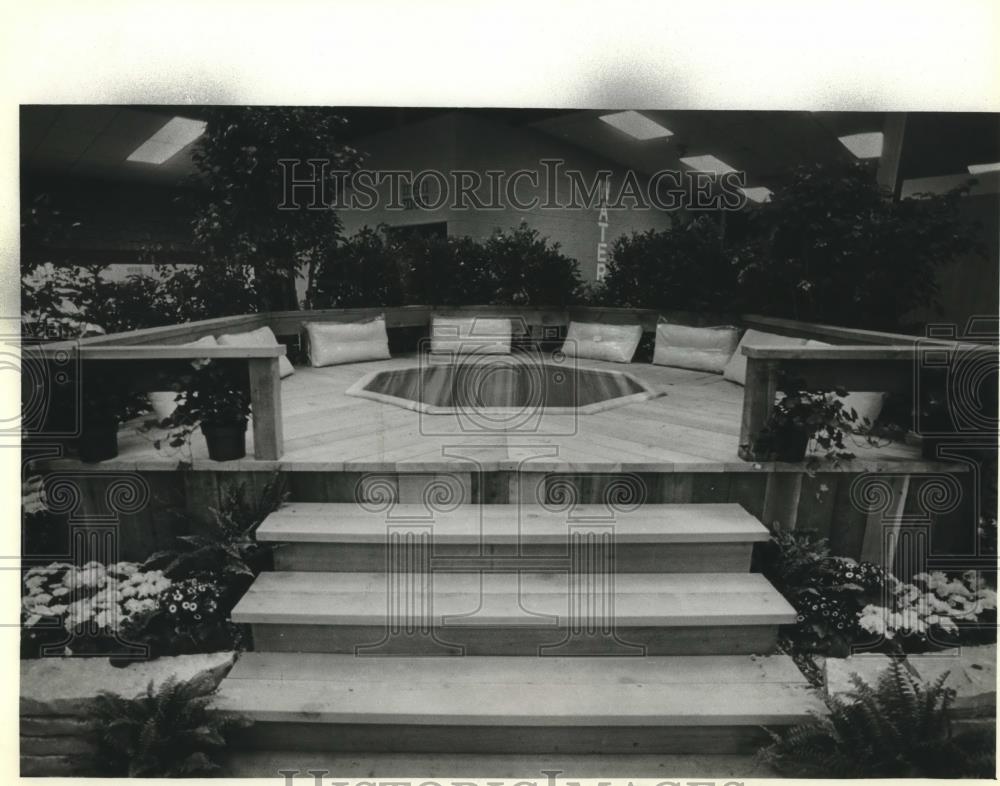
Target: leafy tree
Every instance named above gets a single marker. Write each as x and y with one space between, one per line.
830 246
239 228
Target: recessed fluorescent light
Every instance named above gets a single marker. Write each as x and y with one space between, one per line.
636 125
867 145
757 193
178 133
707 164
978 169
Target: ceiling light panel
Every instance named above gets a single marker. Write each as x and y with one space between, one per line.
707 164
867 145
637 125
757 193
178 133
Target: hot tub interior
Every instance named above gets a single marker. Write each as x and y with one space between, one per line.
501 383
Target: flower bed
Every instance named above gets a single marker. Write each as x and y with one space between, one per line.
98 608
175 602
844 605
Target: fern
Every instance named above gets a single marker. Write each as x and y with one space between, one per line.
170 732
897 728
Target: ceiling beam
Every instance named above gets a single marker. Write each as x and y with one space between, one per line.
893 131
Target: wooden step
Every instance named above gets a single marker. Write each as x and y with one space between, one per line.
509 613
679 704
651 538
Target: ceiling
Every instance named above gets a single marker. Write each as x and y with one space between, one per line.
94 141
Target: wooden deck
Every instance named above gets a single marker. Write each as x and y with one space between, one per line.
692 427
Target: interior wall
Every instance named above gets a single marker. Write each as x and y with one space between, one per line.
462 141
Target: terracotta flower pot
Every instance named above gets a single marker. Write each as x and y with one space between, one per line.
226 441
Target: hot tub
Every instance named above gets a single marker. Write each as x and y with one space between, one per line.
502 384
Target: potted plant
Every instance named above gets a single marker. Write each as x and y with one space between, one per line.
98 439
105 405
217 402
800 417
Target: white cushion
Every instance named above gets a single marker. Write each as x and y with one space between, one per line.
334 343
261 337
868 404
468 335
597 341
164 402
736 368
697 348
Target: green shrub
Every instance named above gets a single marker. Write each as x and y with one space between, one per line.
683 268
897 729
449 271
528 270
830 246
379 267
166 733
841 603
362 270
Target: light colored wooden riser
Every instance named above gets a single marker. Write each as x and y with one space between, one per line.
403 738
324 702
629 557
503 640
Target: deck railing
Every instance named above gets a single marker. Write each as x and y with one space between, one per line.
858 359
149 359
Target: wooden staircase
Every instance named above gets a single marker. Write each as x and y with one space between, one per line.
662 593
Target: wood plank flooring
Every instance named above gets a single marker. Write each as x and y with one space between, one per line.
692 427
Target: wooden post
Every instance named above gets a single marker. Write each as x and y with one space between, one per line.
883 522
892 153
265 403
781 500
758 400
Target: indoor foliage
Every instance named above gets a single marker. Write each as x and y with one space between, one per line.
825 248
212 393
377 267
210 572
175 602
804 418
169 732
682 268
897 729
828 247
844 604
238 227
